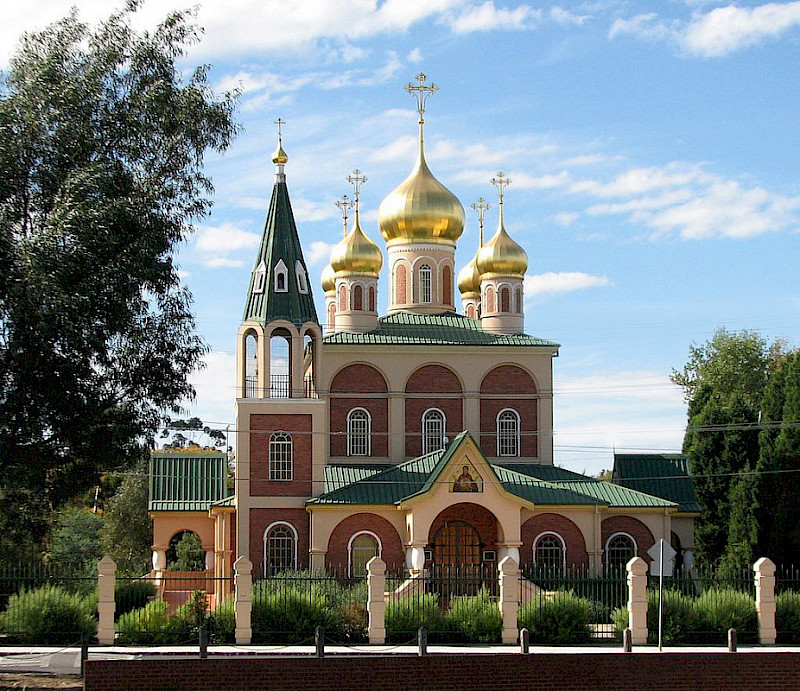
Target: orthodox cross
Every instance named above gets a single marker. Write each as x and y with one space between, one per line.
344 205
421 92
356 179
481 206
279 123
501 182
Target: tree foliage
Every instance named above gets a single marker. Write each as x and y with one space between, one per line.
127 535
102 141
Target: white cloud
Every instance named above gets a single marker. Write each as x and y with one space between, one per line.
566 218
214 245
415 56
487 17
320 252
215 386
565 17
564 282
717 33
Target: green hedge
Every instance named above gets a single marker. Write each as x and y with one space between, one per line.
787 616
404 617
557 618
48 615
474 620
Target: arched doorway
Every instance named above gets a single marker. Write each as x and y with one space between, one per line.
457 566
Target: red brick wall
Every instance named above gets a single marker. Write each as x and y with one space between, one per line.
359 378
507 379
401 283
704 671
479 517
573 538
299 426
635 528
415 407
393 553
433 379
261 518
447 286
503 380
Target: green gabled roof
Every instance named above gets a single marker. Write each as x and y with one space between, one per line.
280 242
660 474
187 481
433 329
539 484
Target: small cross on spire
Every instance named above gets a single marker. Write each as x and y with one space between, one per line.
279 123
356 179
421 92
345 204
481 206
501 182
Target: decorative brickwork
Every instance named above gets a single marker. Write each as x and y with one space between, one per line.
262 426
553 522
504 380
356 379
435 379
633 527
393 553
260 519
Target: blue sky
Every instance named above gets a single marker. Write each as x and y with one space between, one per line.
653 149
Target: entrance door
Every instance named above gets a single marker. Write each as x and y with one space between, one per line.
456 567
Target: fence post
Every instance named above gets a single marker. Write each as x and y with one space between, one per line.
376 600
765 600
106 581
637 600
243 604
509 598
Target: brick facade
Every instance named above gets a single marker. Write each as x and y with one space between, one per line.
552 522
260 519
633 527
415 407
262 426
392 548
359 378
495 388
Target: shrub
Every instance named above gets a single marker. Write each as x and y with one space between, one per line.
404 616
292 616
724 608
474 619
130 595
681 620
222 623
556 618
151 624
186 553
48 615
787 616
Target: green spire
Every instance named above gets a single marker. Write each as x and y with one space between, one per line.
279 285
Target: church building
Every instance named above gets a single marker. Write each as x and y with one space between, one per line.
424 435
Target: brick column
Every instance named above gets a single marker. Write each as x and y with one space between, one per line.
637 600
106 606
376 600
509 598
765 600
243 604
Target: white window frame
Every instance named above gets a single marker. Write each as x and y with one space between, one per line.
302 277
281 469
281 271
425 283
350 548
620 533
260 277
503 435
354 449
293 530
551 533
426 437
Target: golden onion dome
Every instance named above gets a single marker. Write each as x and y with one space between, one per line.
279 157
357 254
421 209
469 280
328 279
501 255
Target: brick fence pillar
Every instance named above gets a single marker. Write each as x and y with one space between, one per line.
765 600
376 600
243 604
106 606
637 600
509 598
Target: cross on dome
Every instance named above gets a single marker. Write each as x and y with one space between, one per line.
481 206
501 182
345 204
421 92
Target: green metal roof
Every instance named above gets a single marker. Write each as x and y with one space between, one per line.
662 475
280 242
181 481
539 484
445 329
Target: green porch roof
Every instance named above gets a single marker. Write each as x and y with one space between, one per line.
540 484
446 329
193 481
660 474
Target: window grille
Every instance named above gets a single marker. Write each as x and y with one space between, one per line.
508 433
280 550
425 283
433 424
358 432
280 456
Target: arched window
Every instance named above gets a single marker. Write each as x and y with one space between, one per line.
358 298
620 549
518 300
489 299
508 433
361 548
425 283
400 285
549 551
332 315
447 285
280 548
281 277
359 432
342 298
433 426
259 277
505 299
371 298
251 365
471 311
302 279
280 456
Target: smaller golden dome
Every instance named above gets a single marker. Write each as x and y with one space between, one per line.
501 255
328 279
469 280
279 157
357 254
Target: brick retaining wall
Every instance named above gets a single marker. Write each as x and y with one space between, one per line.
554 672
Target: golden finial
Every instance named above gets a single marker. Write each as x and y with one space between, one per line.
501 182
481 207
280 157
421 92
344 204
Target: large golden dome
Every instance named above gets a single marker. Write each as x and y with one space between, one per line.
501 255
469 280
357 254
328 279
421 209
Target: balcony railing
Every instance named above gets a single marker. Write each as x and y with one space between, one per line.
279 387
